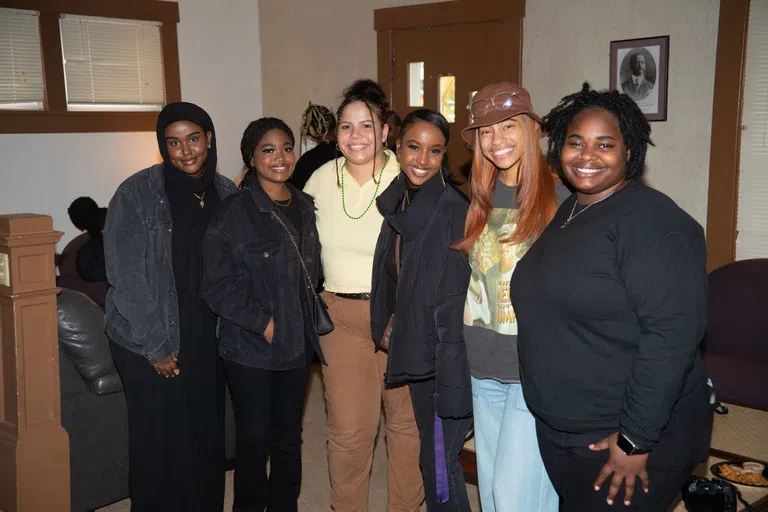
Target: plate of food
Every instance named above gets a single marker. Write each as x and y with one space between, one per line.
753 474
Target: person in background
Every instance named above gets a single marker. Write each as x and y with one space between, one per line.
256 282
394 123
612 307
319 124
349 225
82 266
419 287
162 334
514 196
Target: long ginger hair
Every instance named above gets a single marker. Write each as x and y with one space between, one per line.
536 199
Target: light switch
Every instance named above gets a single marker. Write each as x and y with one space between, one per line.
5 273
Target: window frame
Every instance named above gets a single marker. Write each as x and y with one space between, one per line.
55 118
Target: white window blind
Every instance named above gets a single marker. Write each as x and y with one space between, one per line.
112 64
752 223
21 64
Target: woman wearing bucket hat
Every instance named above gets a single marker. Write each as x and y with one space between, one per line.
513 197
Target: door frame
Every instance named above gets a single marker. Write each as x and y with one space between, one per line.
725 142
387 21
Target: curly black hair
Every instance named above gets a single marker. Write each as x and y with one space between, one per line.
251 138
632 124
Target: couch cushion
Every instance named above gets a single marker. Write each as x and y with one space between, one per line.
81 335
739 380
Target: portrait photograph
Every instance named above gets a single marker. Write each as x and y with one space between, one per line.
639 69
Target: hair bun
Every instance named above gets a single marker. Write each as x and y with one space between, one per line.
585 87
370 91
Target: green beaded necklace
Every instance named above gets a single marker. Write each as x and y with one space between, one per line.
375 192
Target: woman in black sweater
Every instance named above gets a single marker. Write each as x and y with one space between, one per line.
611 302
423 282
262 256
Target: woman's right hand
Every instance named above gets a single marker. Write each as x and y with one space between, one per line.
167 367
270 330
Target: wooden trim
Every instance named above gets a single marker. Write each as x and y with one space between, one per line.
446 13
53 63
147 10
76 122
468 461
725 145
384 48
171 71
734 457
55 118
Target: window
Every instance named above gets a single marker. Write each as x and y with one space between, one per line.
21 64
112 64
447 97
416 84
96 67
752 216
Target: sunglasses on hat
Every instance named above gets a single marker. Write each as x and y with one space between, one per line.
501 101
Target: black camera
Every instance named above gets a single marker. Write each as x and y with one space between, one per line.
705 495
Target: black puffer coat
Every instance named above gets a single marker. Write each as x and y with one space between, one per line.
428 336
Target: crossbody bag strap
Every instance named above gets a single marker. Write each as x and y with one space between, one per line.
290 236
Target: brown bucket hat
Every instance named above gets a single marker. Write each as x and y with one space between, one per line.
494 103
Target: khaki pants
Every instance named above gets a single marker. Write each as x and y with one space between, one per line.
354 391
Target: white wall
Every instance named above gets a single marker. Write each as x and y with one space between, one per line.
312 49
218 41
566 43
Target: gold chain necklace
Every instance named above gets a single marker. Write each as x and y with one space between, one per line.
284 205
200 197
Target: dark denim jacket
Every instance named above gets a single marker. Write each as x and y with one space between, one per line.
142 311
253 273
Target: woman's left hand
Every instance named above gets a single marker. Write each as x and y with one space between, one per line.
625 469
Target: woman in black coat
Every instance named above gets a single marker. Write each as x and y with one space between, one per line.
417 302
262 291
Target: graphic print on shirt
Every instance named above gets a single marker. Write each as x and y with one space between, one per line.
493 260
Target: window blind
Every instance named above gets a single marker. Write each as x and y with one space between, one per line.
112 64
752 218
21 64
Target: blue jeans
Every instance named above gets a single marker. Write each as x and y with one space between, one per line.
510 471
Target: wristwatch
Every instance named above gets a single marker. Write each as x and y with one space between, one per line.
628 447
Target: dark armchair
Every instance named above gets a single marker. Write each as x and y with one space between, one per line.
736 344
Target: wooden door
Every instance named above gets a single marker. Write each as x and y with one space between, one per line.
466 43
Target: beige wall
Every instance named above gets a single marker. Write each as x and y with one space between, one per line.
565 43
311 49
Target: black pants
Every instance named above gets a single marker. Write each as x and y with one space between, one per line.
175 431
268 407
573 467
454 433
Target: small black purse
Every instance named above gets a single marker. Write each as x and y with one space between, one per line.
323 322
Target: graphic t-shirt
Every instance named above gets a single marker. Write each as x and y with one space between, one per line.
490 324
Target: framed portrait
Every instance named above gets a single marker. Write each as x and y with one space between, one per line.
639 69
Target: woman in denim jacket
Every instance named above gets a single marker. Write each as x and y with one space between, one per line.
163 336
258 285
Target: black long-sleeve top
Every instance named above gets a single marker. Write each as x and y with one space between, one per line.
612 309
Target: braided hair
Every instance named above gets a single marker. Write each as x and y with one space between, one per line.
373 97
317 122
633 125
251 138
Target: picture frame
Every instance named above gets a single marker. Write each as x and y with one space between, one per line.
640 69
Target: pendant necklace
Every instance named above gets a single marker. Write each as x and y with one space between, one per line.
572 216
200 197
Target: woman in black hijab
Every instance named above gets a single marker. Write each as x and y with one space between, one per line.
162 334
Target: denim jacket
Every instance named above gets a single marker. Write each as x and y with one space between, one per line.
142 311
253 274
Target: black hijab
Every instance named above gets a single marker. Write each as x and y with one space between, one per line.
183 111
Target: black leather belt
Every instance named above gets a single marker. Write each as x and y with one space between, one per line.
354 296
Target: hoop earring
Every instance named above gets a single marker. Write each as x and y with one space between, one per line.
384 144
442 177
